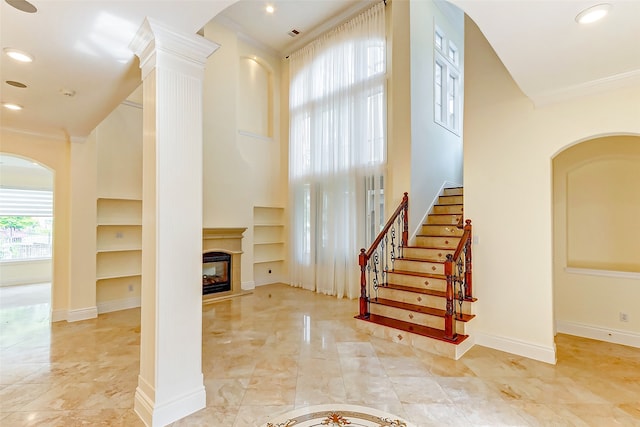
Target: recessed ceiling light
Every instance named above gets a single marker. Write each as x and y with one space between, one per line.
270 9
22 5
10 106
593 14
16 84
18 55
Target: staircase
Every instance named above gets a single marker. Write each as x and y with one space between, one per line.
409 304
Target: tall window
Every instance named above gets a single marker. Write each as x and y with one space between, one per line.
446 82
337 152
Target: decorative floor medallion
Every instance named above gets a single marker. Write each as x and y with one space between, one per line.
337 416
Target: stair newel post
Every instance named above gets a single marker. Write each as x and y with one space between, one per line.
362 261
405 222
467 261
448 317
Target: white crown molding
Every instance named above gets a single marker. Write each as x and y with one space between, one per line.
61 138
592 87
238 29
328 25
131 104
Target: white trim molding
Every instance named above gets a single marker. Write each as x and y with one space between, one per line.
58 315
592 87
118 304
518 347
603 273
249 285
82 314
615 336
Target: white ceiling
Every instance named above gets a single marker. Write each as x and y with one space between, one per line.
550 56
82 46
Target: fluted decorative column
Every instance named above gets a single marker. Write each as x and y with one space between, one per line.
170 383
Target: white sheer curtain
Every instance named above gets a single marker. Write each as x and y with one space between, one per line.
337 152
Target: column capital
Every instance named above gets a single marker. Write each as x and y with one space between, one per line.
154 37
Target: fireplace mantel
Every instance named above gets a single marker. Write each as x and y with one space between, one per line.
229 240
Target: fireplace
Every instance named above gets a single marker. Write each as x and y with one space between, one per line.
216 272
221 255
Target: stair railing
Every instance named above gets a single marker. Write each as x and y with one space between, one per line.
374 262
458 268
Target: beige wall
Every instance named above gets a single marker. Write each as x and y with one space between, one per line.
508 149
25 272
21 177
398 105
82 289
436 152
119 154
53 153
595 206
243 155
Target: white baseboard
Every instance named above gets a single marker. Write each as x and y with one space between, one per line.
615 336
520 348
118 304
153 414
271 281
248 285
82 314
29 281
58 315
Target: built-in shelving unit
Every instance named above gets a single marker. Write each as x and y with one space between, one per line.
268 244
119 243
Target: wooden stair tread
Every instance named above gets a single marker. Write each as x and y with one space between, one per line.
435 261
429 247
449 204
424 331
417 273
433 235
432 292
420 309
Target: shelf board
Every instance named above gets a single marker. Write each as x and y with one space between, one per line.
126 199
264 261
101 251
268 243
268 225
127 223
118 276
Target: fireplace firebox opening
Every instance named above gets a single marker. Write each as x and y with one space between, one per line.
216 272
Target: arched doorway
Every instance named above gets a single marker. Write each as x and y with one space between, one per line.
26 243
596 203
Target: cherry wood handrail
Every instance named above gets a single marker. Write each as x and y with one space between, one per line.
365 255
404 205
466 282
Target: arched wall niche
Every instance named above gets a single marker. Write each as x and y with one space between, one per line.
255 96
596 185
595 232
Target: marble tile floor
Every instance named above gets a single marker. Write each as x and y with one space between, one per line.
284 348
